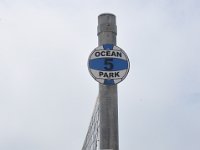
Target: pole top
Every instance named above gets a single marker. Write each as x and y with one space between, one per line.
107 23
111 14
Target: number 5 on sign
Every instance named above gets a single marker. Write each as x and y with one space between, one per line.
108 63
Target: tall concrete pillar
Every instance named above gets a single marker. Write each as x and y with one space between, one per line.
108 98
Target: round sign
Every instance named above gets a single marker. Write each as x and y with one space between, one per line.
108 64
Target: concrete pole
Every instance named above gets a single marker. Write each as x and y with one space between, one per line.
108 99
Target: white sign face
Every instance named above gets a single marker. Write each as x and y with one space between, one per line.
108 64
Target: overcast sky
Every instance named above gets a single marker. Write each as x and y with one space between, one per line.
47 94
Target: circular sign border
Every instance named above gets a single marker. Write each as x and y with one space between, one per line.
127 59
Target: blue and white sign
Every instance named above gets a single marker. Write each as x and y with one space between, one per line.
108 64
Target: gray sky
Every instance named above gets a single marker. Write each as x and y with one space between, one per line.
46 92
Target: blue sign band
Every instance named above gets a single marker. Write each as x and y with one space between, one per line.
109 82
108 46
99 64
